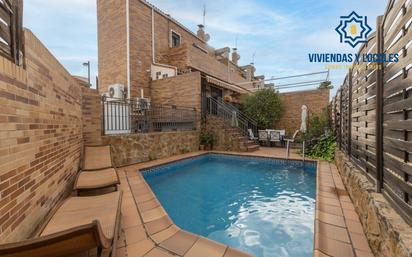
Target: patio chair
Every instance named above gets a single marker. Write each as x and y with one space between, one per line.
251 135
263 136
274 137
98 171
290 140
78 225
282 134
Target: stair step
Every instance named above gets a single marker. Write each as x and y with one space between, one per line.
252 148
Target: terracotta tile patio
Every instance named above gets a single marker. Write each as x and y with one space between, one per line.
148 231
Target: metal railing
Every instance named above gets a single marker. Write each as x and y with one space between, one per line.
239 113
230 114
127 117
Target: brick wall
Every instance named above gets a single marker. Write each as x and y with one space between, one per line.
112 47
91 116
208 64
189 56
316 100
141 42
183 90
111 16
40 138
111 24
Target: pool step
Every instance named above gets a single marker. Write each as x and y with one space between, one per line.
252 148
229 138
251 142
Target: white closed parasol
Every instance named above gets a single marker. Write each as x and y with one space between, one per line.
303 126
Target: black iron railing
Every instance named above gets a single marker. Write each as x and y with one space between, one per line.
230 114
125 117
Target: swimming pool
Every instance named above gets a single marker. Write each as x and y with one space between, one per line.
262 206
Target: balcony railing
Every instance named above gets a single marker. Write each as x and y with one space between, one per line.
128 117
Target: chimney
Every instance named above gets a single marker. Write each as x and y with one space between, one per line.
235 56
201 32
252 69
223 52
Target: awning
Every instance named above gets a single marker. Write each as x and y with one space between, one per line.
226 85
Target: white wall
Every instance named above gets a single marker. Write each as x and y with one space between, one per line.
168 71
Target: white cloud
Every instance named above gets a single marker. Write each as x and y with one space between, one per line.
68 28
62 4
242 17
281 33
327 41
79 58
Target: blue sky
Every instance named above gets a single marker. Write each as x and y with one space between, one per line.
279 33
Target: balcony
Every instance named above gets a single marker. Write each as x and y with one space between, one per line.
194 57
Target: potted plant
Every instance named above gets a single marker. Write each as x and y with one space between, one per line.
206 140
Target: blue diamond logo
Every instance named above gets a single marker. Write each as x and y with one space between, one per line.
353 29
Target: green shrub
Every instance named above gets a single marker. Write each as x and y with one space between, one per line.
207 138
324 149
264 106
152 156
326 85
317 124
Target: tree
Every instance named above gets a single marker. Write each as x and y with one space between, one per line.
325 85
264 106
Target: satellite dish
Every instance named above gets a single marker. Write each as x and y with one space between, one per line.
207 37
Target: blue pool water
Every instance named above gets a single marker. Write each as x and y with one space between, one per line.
259 205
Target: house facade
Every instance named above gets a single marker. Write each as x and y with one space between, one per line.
156 57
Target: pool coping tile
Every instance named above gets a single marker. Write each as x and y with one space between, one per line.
338 231
180 243
204 247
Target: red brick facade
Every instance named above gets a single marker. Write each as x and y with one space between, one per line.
316 100
91 116
193 53
181 90
40 138
111 33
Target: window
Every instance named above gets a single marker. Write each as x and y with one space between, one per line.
11 32
165 76
175 40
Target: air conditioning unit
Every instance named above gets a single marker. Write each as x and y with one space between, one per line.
116 91
144 103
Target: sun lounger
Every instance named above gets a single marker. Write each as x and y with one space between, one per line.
79 224
98 171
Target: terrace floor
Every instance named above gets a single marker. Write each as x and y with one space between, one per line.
148 231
